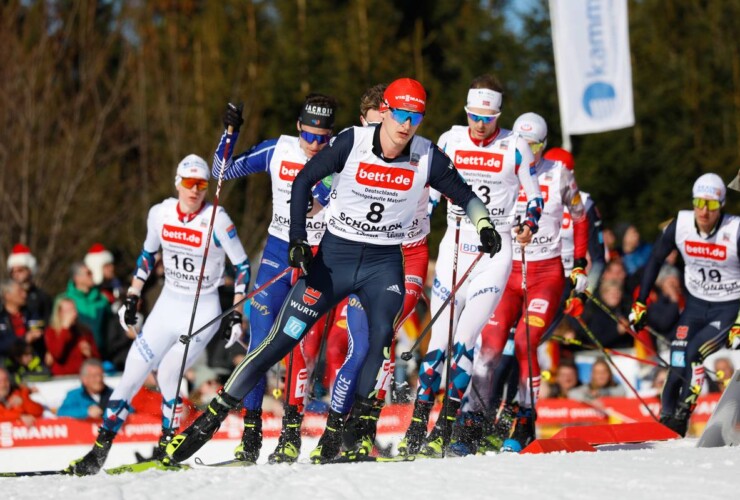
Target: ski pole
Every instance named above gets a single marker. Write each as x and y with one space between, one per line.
450 339
186 338
614 352
227 147
525 305
614 365
406 356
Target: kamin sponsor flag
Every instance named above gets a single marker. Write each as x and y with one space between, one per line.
592 61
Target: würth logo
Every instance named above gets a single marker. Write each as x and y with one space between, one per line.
311 296
479 160
543 188
396 178
289 169
705 250
182 235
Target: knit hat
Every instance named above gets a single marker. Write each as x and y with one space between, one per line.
562 155
21 256
97 257
406 93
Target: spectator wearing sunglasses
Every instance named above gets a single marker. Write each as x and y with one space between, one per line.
495 162
179 228
379 178
282 158
708 239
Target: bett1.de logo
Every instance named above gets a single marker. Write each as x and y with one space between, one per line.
398 179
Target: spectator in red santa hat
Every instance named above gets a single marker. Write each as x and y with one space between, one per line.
100 261
22 268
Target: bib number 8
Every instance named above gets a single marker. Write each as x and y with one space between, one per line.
375 214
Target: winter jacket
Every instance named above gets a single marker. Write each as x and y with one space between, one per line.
64 346
92 311
27 407
78 400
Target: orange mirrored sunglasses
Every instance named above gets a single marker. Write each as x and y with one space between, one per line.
188 183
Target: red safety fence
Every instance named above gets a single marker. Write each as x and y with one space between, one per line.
553 414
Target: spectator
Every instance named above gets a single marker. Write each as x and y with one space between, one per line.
93 308
25 364
22 268
205 387
565 379
602 384
635 253
100 261
89 400
16 321
16 403
724 370
614 271
610 244
603 326
657 380
663 311
69 342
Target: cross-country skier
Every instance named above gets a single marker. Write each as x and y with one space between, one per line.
416 260
708 241
545 283
495 162
379 177
283 159
180 228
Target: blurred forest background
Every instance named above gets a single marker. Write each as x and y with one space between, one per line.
99 101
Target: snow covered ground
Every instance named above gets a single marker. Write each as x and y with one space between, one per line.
670 470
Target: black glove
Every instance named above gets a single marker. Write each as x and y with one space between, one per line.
233 117
131 303
300 255
490 241
231 334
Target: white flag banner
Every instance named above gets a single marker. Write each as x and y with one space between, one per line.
592 62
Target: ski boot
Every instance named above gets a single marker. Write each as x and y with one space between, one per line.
524 431
362 425
466 434
493 440
158 451
92 462
205 426
439 438
679 421
330 443
249 448
289 444
417 431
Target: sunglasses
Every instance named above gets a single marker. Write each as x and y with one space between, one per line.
536 147
318 138
482 118
401 115
188 183
710 204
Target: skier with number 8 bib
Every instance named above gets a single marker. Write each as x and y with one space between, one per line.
180 228
708 240
379 176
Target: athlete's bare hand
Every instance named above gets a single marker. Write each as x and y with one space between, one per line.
524 235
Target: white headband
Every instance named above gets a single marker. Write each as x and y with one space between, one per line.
485 99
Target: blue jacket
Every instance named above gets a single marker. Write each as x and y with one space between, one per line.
78 400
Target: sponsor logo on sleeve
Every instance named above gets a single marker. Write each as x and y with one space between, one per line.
231 231
379 176
294 328
543 188
478 160
311 296
289 170
182 235
705 250
567 220
682 332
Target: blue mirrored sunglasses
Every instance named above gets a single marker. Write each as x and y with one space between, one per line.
482 118
319 138
401 115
